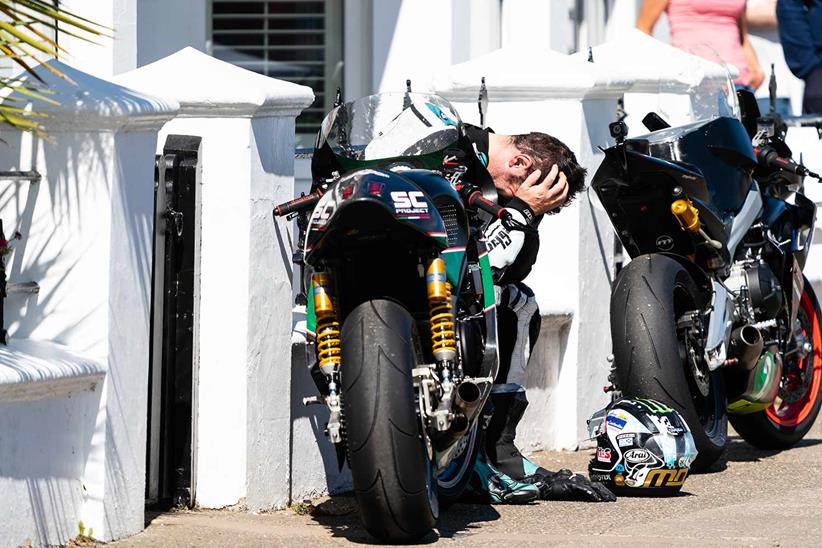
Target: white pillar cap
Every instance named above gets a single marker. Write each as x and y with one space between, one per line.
655 66
207 87
88 103
520 73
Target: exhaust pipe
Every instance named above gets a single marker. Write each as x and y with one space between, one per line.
467 403
746 345
468 399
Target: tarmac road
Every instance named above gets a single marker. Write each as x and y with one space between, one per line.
755 498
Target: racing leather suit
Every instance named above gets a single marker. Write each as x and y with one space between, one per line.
512 254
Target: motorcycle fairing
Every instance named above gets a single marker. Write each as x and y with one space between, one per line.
452 211
790 227
637 190
722 150
791 224
745 218
370 204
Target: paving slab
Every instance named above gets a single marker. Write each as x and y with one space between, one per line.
751 498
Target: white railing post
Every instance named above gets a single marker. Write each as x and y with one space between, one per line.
242 273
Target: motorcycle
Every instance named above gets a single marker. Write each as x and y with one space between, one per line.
400 303
713 315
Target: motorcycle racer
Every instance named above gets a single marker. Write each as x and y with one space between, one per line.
535 174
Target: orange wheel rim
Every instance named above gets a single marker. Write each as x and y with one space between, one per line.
794 413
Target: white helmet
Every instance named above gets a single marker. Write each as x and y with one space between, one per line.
643 448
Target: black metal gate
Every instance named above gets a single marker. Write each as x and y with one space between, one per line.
169 462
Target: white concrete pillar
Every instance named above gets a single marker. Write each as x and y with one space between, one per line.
243 271
542 90
87 242
678 86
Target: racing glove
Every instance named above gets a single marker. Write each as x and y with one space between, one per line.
566 485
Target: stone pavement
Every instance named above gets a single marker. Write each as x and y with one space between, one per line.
754 498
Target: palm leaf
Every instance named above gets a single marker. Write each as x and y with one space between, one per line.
25 44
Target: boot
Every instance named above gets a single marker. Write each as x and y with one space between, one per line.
487 483
501 433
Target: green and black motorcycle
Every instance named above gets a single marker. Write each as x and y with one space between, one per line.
400 302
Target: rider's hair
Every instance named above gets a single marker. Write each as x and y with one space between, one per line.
546 151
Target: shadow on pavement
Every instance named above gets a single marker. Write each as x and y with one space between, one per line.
340 516
741 451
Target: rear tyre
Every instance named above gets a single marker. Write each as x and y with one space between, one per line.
795 410
650 295
392 473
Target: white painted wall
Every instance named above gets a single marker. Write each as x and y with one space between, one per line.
73 448
166 26
144 31
242 335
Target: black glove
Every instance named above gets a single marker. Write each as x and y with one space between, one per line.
566 485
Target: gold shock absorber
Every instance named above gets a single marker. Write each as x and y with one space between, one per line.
443 342
328 328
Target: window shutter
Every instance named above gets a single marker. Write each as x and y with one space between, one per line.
295 40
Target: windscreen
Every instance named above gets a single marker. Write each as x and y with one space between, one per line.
717 95
390 125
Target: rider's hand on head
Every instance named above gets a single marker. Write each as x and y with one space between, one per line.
544 194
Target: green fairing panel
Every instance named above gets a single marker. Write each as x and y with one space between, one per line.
310 316
454 263
489 299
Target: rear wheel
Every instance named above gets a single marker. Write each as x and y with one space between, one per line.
390 465
454 479
655 357
795 410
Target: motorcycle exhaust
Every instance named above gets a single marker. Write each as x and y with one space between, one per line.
467 404
746 345
468 399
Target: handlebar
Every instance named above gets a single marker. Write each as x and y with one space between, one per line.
297 204
473 197
768 157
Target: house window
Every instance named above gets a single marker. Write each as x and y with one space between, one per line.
295 40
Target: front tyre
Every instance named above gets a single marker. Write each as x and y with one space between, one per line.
653 293
392 473
783 424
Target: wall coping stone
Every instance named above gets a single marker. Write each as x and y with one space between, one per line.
31 370
516 73
88 103
206 87
657 67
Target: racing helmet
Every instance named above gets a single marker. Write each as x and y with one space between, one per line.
644 447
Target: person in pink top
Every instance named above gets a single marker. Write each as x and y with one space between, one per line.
719 24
